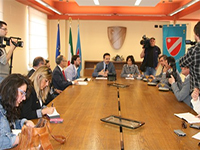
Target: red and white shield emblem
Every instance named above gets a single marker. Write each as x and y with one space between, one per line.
174 45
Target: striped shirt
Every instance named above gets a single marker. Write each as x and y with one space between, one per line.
192 60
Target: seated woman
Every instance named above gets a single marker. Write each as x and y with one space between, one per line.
12 93
130 69
34 106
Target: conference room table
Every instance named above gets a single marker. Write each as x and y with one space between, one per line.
82 107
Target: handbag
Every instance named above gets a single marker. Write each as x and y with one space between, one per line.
37 138
143 66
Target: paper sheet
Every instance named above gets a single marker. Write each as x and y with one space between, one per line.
190 118
129 78
82 83
16 131
101 78
196 136
82 79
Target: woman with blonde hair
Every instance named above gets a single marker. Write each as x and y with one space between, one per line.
34 106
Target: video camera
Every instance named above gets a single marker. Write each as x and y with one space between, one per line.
145 41
190 42
7 41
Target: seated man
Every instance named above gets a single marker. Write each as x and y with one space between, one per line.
59 80
168 70
183 93
71 70
37 62
104 67
163 61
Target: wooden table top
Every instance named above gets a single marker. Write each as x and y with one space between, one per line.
82 107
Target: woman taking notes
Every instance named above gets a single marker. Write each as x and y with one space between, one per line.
12 92
34 106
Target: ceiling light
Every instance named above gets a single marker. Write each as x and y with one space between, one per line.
96 2
49 7
183 7
137 3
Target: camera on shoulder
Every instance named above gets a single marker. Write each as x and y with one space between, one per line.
145 42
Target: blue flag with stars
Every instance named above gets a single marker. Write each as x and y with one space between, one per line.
58 42
78 52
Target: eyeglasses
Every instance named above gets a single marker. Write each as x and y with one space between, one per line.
5 29
22 92
64 60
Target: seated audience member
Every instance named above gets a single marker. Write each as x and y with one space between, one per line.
170 68
196 101
183 93
13 91
34 106
59 79
130 69
47 63
37 62
103 68
162 61
71 70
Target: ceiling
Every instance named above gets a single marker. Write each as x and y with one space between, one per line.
118 9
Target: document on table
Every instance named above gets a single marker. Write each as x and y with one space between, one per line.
82 79
196 136
127 78
101 78
190 118
16 131
55 114
82 83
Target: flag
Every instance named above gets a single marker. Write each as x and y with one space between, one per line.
70 49
174 41
78 52
58 42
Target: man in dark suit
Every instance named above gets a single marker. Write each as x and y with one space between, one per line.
182 93
59 80
104 67
37 62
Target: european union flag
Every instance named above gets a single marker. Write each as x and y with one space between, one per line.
174 41
58 42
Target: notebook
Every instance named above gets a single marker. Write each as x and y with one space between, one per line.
190 118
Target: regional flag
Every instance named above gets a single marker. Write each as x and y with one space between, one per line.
70 49
78 52
58 42
174 41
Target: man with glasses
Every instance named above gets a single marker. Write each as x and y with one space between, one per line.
104 67
4 57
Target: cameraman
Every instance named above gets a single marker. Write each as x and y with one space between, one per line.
192 60
150 55
4 58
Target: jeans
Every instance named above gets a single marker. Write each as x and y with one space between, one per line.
150 71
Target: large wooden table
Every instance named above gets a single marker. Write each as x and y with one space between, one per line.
82 107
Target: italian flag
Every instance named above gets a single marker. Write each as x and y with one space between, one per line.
70 49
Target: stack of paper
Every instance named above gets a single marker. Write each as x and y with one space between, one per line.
190 118
82 83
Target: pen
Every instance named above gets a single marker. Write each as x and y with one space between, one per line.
52 105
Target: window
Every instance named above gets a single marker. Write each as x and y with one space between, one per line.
37 35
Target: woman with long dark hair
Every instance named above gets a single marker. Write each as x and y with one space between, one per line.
13 91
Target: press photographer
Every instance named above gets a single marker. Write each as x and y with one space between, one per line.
5 57
150 53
